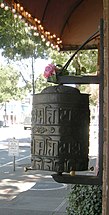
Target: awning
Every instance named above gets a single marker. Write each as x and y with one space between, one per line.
65 23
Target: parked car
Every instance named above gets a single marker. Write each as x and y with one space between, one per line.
27 123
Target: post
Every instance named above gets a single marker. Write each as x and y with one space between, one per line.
14 163
33 75
5 115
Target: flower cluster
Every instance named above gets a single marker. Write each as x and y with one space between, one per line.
50 70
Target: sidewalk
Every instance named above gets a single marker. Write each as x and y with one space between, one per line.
32 192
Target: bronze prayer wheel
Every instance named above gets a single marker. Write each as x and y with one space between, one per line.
60 129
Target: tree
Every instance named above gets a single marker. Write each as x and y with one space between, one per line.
41 83
93 91
84 62
17 40
9 89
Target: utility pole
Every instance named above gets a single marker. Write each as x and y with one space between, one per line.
5 117
33 86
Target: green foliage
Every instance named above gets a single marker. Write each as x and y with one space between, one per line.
85 200
60 58
93 91
85 62
41 83
88 61
9 79
17 40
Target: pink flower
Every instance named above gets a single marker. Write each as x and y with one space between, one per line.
49 70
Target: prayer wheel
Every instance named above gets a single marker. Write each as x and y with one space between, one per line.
60 130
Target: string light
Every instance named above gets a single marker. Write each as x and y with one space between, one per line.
51 45
2 5
20 17
26 13
29 15
47 43
21 8
15 16
54 35
32 27
43 39
38 21
13 10
35 19
29 28
18 5
35 28
55 41
42 36
26 24
34 33
37 34
6 8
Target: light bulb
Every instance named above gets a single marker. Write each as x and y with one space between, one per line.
13 10
43 39
47 43
2 5
6 8
18 5
21 8
35 28
15 16
20 17
36 34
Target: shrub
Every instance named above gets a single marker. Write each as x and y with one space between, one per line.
85 200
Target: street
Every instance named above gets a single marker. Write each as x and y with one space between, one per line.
23 137
26 192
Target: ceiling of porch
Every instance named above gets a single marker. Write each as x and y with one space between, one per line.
69 22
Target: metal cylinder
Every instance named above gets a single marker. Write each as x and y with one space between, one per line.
60 129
